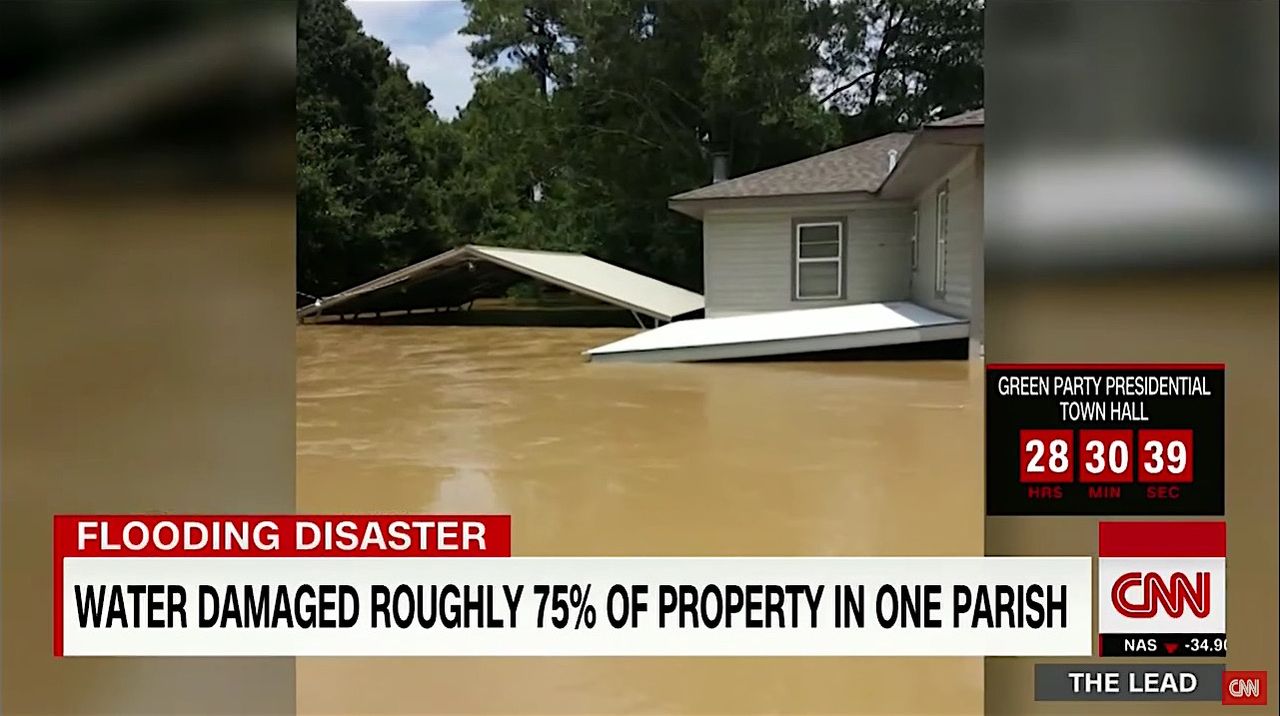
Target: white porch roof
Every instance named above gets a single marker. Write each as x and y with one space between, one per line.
785 332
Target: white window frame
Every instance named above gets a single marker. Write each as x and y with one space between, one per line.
838 259
942 212
915 239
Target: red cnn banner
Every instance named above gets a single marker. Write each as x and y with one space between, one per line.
1244 688
1162 539
1162 589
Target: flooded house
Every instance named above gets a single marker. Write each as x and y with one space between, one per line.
874 244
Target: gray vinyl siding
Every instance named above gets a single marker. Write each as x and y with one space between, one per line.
977 299
964 238
749 257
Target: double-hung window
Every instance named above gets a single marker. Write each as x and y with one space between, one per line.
940 226
819 259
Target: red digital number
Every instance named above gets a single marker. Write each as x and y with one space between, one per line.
1164 456
1046 455
1106 456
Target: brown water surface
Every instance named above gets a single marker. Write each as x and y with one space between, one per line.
847 458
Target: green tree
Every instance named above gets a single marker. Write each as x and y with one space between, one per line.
895 64
530 32
643 92
371 155
588 115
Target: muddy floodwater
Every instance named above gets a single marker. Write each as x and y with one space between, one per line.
847 458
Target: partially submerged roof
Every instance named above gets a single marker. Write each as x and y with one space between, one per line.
806 330
858 167
576 272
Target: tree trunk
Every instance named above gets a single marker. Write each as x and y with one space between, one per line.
541 59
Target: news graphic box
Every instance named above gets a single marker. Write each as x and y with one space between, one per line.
1244 688
1105 439
1162 589
287 593
1128 682
198 540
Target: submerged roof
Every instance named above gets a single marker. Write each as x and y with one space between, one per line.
861 167
805 330
576 272
857 167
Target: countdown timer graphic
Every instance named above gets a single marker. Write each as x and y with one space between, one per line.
1119 439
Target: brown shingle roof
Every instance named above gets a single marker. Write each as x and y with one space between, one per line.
857 167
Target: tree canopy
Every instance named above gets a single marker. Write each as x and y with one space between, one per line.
588 114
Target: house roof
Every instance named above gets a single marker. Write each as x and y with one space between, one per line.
935 147
858 167
972 118
861 167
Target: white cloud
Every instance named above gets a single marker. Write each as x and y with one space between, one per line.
424 34
444 66
381 18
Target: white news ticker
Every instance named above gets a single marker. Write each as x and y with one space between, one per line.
1070 632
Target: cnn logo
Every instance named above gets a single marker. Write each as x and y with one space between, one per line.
1139 595
1244 688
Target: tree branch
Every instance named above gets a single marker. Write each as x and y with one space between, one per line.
888 35
846 86
618 132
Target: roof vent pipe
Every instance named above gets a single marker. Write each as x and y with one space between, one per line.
719 167
893 159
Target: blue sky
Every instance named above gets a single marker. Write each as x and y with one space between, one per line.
423 34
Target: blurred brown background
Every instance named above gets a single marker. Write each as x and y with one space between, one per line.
146 267
146 328
1227 317
1131 216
